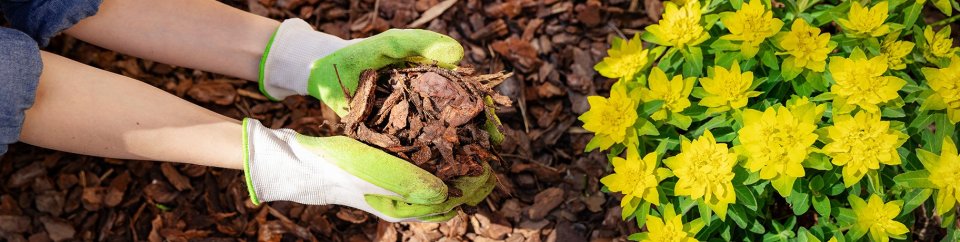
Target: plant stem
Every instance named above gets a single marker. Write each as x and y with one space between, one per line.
946 20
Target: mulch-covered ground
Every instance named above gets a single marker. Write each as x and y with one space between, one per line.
548 188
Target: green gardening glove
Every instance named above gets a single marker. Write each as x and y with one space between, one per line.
281 165
302 61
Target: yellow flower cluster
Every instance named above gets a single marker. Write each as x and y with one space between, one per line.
876 218
751 25
680 26
624 60
668 229
636 178
861 81
672 92
895 51
778 140
944 174
939 44
611 119
705 171
861 143
808 48
727 89
945 83
866 22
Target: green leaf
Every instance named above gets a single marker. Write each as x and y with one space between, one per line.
846 217
821 204
725 45
914 198
641 214
769 59
736 4
680 121
873 183
802 88
717 121
726 58
738 215
818 161
693 62
914 179
789 70
647 128
705 212
648 108
816 184
799 199
746 197
892 112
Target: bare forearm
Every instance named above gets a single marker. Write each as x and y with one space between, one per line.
205 35
89 111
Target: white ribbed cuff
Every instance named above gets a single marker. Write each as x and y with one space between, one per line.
276 167
294 48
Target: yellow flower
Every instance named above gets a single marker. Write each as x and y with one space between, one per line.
945 83
894 51
679 27
727 89
939 44
673 92
862 22
705 170
751 24
669 229
636 179
944 174
778 140
610 118
860 81
626 58
806 46
861 143
877 218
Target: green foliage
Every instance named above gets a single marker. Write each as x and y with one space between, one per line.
857 75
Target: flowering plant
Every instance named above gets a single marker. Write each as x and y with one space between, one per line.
798 120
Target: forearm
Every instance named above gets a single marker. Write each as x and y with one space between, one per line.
205 35
84 110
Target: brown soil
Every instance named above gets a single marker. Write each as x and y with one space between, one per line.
429 116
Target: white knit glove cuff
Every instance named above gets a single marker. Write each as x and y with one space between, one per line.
290 56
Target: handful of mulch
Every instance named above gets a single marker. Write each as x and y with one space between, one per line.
430 116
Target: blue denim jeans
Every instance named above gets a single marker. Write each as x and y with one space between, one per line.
34 22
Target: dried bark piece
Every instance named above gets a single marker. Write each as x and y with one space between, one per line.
361 105
179 181
378 139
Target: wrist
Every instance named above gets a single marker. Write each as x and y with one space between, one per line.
289 56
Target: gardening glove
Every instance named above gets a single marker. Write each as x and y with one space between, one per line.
300 60
282 165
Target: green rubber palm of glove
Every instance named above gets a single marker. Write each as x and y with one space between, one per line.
475 189
390 47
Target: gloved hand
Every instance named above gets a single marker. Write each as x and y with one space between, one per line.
302 61
284 165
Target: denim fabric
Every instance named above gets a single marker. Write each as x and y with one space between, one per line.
20 68
44 19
